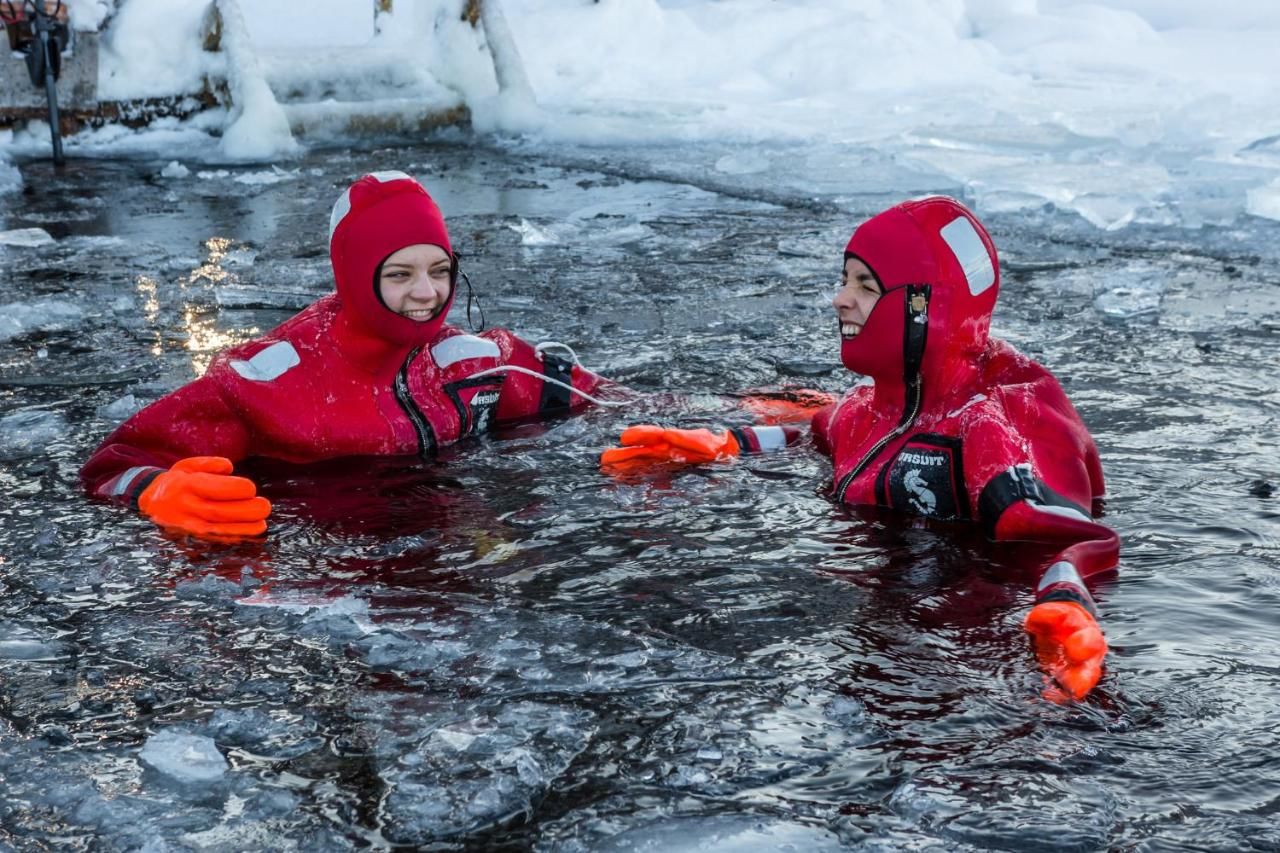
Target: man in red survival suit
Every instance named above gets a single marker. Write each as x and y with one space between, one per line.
372 369
956 425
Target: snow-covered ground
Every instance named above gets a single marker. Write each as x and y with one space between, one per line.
1155 111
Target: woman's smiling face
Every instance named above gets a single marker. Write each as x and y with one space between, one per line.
859 291
416 281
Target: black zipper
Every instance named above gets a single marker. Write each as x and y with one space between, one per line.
914 339
421 427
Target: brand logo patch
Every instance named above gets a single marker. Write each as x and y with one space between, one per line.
926 478
483 405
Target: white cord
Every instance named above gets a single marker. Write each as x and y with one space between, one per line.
557 345
583 394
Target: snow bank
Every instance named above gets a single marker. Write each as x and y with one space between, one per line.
152 49
1123 111
258 129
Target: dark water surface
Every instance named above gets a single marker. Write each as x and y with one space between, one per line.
509 650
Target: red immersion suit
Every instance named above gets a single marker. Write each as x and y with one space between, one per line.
957 425
346 376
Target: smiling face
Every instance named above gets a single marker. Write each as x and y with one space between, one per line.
858 294
415 281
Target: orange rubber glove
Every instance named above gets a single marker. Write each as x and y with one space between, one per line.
198 495
651 443
1069 644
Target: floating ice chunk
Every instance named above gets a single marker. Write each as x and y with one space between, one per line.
243 727
274 175
26 650
207 588
1108 212
688 777
480 768
532 235
242 257
306 601
454 739
44 315
847 711
1131 299
183 756
261 732
26 433
722 835
10 178
26 237
636 232
174 170
240 295
121 409
1264 201
19 643
407 654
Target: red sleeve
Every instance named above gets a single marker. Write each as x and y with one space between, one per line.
195 420
820 426
537 388
842 424
1038 473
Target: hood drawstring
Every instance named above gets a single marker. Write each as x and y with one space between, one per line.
472 298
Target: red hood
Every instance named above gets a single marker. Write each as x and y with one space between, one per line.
378 215
935 247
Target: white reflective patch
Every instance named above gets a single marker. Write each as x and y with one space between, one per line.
973 401
341 208
770 437
460 347
269 363
389 175
970 251
126 479
343 205
1064 511
1060 572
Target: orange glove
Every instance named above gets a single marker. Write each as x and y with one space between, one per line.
1069 644
651 443
198 495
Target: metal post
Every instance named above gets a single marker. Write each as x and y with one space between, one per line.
44 24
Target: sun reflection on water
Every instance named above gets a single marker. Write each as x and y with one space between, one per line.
205 339
212 270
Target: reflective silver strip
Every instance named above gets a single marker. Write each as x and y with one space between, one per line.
342 206
125 480
1060 572
973 401
460 347
389 175
971 252
268 363
770 437
1064 511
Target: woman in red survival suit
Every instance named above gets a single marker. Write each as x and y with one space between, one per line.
956 425
372 369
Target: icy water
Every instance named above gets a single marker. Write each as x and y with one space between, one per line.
509 650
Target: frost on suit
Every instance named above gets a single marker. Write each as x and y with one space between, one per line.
957 425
